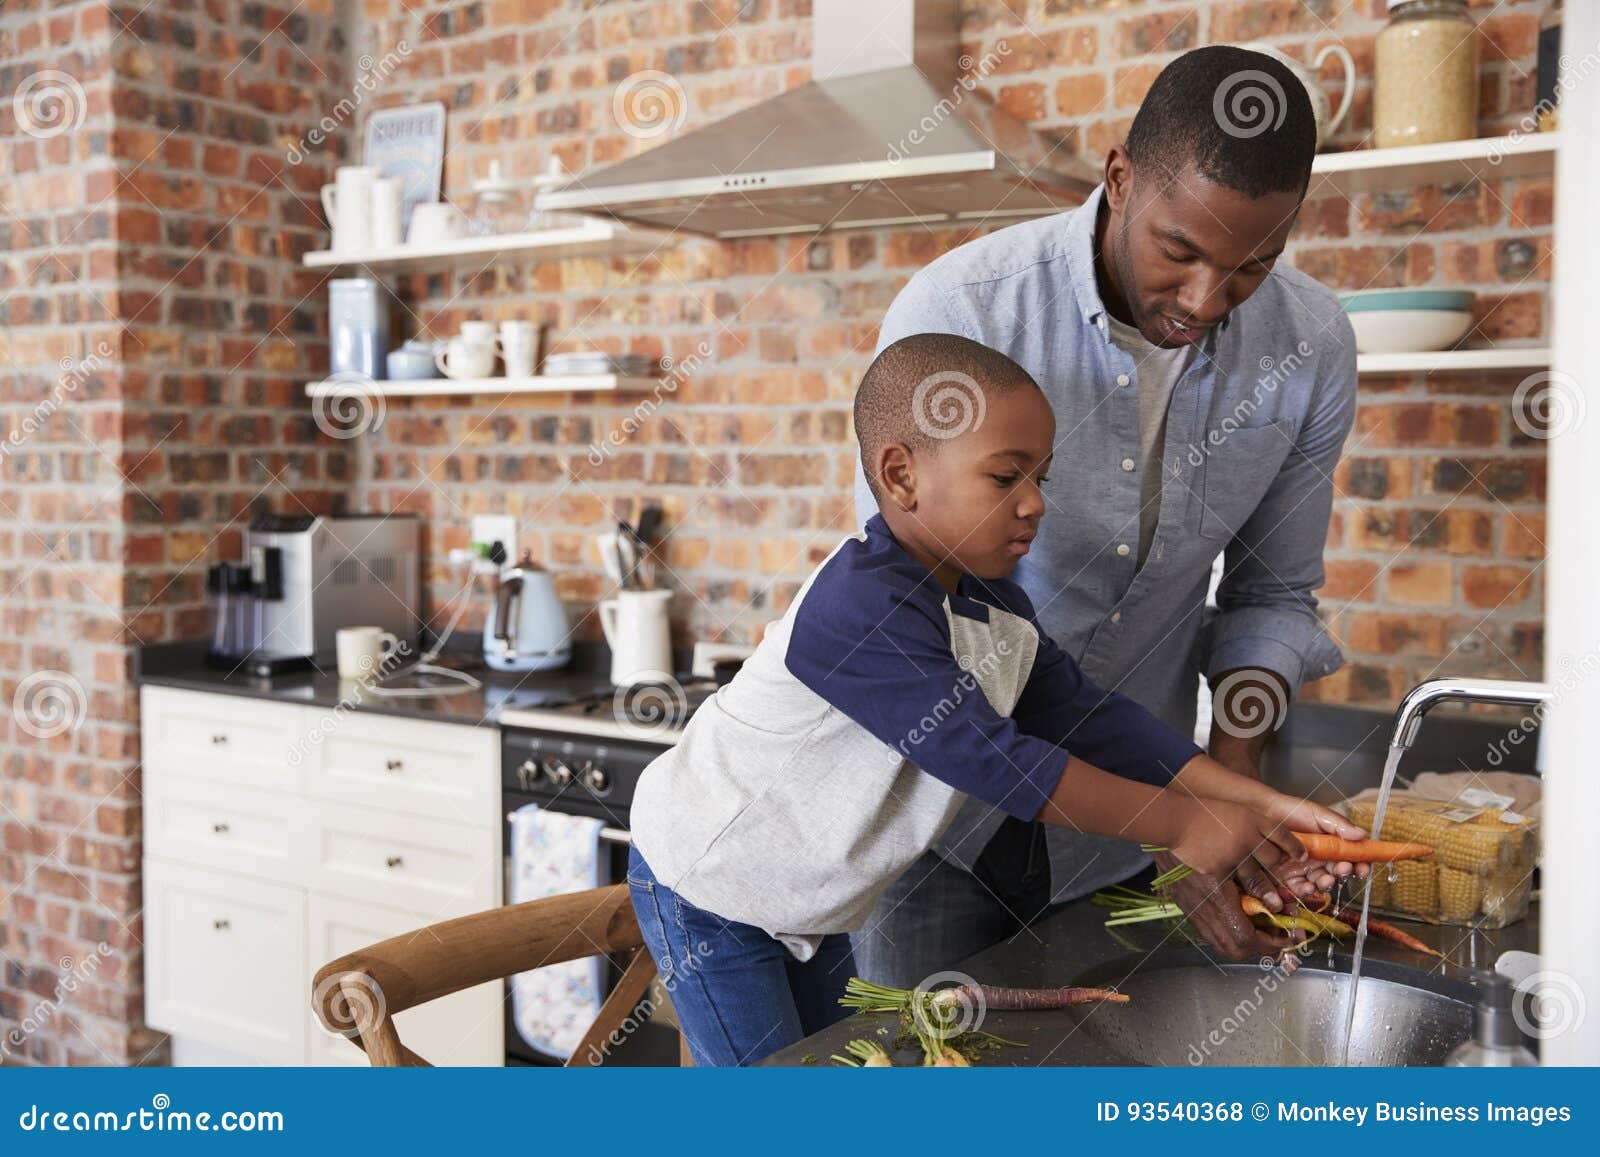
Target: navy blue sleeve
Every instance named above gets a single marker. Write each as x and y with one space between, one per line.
877 647
1062 705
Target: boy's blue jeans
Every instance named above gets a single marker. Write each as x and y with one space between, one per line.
739 995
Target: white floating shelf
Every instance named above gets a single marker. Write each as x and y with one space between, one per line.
593 238
444 387
1444 361
1452 162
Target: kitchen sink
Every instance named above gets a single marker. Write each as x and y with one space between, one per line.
1242 1014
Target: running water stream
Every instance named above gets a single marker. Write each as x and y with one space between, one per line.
1390 766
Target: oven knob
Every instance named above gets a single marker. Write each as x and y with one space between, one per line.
527 774
556 771
595 778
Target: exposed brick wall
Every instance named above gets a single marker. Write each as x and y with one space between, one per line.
1437 540
158 331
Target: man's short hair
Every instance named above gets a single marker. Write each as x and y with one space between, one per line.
1241 118
926 389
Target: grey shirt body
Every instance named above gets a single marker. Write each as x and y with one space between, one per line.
1254 427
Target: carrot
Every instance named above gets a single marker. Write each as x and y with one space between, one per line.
1307 921
999 999
865 1054
945 1058
1383 930
1333 849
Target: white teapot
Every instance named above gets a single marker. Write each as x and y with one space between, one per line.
1320 105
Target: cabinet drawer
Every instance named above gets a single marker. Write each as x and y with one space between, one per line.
226 960
433 867
448 771
224 737
220 825
464 1028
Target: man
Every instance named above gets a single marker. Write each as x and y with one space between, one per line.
1202 395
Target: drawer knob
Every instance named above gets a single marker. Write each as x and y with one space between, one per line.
392 764
220 827
219 738
394 861
222 924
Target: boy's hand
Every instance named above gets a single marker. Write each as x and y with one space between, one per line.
1219 836
1305 876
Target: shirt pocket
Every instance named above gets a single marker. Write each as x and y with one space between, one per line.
1239 467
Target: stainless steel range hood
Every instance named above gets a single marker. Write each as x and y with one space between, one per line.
884 134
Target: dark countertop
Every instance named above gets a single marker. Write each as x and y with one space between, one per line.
1065 946
183 665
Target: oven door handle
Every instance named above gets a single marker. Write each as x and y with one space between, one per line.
608 834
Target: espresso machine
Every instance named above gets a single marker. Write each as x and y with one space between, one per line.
305 576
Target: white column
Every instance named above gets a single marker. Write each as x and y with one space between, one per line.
1570 933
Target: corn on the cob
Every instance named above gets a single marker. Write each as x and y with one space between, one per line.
1378 885
1415 888
1460 893
1505 895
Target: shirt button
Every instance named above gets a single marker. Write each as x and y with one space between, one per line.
1123 379
1116 616
1123 549
1127 463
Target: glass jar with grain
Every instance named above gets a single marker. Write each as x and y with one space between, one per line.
1426 74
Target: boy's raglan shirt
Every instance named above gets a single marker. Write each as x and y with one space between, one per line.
850 738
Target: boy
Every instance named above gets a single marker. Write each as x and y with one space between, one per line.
908 674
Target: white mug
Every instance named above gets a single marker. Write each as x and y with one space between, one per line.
434 223
635 626
348 204
388 194
362 651
519 346
462 357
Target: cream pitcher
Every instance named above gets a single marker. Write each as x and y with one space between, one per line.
635 625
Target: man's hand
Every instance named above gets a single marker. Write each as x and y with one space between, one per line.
1212 907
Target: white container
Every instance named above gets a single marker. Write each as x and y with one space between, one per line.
435 223
348 204
358 329
519 348
635 626
1408 331
388 195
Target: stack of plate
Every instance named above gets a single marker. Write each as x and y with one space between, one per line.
1403 321
598 362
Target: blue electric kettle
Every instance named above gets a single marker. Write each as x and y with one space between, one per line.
527 628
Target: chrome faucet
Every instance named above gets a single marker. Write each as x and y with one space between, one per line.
1425 696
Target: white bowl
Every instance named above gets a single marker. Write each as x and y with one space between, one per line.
1407 331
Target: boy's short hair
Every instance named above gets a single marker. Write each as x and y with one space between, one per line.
926 389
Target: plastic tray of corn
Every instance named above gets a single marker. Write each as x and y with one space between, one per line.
1480 873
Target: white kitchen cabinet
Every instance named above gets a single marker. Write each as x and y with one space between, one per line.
465 1028
279 837
426 866
224 960
225 738
409 765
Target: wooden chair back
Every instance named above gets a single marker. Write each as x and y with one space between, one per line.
359 994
